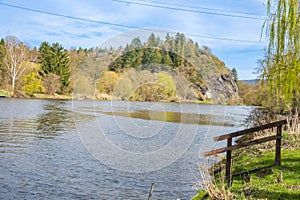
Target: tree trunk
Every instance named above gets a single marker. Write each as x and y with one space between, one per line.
13 85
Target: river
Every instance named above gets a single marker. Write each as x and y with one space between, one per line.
56 149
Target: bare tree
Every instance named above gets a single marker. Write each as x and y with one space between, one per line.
15 57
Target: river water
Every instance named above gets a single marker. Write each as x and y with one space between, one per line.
55 149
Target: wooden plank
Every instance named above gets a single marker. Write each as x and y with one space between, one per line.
278 146
241 145
250 130
228 163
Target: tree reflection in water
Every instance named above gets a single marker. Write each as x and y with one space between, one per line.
55 120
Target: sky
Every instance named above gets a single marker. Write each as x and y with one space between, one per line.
232 29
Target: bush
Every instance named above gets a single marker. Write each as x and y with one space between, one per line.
52 84
32 84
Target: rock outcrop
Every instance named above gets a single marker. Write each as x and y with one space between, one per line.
221 87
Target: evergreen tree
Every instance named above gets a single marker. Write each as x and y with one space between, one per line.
152 56
166 60
168 43
136 43
153 41
54 59
2 66
235 74
2 51
190 49
61 63
180 48
45 58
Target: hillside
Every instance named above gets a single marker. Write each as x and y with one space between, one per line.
175 67
171 69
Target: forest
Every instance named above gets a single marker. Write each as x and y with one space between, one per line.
170 69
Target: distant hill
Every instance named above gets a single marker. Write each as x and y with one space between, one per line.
251 82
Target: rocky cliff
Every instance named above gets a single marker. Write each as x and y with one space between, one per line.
221 87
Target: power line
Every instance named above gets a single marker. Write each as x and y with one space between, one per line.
122 26
200 7
67 16
188 10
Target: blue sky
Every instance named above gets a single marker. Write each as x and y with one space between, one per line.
222 21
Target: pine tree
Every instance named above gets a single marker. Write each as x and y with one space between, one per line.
45 59
2 55
54 59
153 41
166 60
235 74
136 43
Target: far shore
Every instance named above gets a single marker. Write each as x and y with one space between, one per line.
21 95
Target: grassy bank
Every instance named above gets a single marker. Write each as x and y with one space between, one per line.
273 182
4 93
55 96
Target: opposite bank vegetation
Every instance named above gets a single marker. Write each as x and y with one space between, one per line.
171 69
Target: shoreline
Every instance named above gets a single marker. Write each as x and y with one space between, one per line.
21 95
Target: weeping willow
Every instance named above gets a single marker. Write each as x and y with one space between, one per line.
282 65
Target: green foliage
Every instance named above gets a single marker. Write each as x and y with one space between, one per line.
178 53
235 74
151 92
123 88
272 182
160 87
3 69
54 59
168 83
151 56
32 84
153 41
282 65
108 82
4 93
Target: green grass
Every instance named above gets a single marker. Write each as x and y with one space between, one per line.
55 96
4 93
265 183
208 101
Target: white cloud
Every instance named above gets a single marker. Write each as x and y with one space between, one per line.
33 28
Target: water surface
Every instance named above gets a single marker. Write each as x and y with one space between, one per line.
44 155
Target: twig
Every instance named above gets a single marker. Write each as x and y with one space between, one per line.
151 191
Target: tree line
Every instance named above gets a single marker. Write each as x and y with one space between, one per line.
47 69
51 68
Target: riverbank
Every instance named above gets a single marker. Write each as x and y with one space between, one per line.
276 182
22 95
4 93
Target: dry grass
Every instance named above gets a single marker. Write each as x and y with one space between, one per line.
215 187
